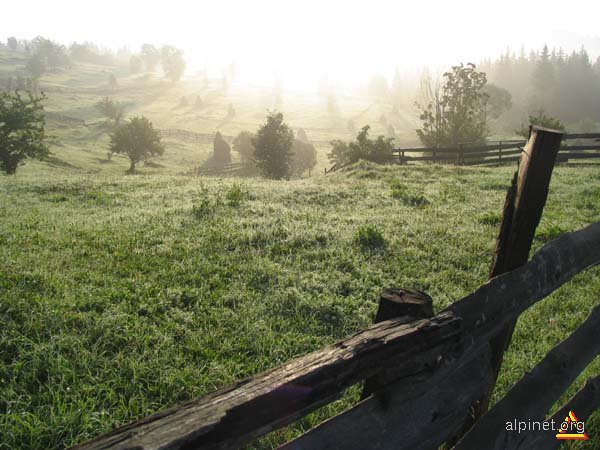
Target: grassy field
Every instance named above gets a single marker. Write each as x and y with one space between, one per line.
124 294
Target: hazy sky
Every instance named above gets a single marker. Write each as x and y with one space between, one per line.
302 40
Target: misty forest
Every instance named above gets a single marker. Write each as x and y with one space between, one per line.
169 227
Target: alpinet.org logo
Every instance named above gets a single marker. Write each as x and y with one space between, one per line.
572 428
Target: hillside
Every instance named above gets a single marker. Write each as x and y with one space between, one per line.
80 140
121 295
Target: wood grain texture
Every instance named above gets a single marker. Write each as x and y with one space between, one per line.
394 349
231 417
533 396
583 403
394 303
419 413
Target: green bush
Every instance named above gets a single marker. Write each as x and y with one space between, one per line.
205 206
237 194
370 238
407 195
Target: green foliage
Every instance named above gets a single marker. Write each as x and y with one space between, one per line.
304 157
172 62
53 55
36 66
456 112
370 238
540 118
22 130
499 100
407 195
151 57
221 150
242 144
375 150
273 147
237 194
205 204
138 140
112 110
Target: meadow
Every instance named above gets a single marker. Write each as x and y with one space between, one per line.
121 294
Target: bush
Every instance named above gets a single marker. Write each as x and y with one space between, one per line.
375 150
370 238
205 205
236 194
407 195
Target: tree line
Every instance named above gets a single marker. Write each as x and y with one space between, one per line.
562 85
46 56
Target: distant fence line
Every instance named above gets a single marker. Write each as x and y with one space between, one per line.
190 136
220 170
496 153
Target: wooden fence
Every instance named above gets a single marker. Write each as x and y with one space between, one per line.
498 153
220 170
190 136
427 379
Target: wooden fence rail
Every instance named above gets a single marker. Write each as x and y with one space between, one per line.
427 379
417 353
499 153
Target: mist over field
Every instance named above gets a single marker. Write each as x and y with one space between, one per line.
194 193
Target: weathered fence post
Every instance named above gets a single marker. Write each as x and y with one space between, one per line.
394 303
500 152
523 209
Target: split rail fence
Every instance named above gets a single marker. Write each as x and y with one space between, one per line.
427 378
587 146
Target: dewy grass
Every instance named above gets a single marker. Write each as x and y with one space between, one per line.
122 295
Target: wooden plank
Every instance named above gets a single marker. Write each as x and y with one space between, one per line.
234 416
580 155
523 209
576 148
505 297
408 415
533 396
494 161
583 403
393 303
582 136
493 154
466 149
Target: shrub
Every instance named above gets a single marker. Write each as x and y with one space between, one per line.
236 194
375 150
205 205
370 238
407 195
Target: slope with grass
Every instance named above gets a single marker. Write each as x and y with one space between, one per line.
193 104
121 295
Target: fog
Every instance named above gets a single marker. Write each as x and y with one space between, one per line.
301 42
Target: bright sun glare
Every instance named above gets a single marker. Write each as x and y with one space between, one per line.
302 42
